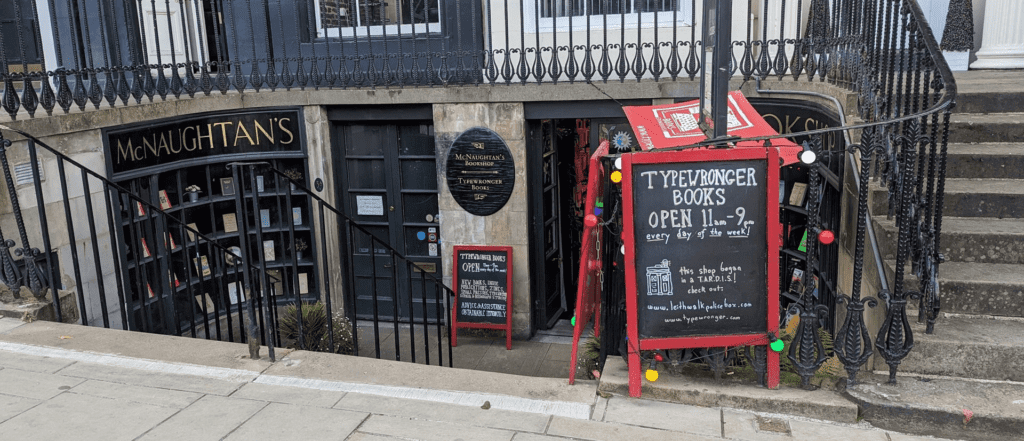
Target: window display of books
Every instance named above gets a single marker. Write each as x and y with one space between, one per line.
201 259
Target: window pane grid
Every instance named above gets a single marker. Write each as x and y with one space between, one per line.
567 8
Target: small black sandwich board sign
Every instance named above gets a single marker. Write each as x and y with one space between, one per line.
482 279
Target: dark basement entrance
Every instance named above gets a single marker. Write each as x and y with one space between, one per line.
558 154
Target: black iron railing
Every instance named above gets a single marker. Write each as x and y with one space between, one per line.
129 271
883 50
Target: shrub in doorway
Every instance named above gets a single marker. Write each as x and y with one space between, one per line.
316 334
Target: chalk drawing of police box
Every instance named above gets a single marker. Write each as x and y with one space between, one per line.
659 279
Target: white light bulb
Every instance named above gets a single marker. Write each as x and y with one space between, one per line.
618 163
808 157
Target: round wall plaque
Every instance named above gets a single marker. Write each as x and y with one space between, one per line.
480 171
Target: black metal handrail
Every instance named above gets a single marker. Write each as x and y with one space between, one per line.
247 271
442 293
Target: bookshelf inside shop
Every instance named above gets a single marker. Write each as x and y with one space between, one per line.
793 203
180 281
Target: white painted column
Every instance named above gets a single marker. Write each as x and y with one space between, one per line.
1002 42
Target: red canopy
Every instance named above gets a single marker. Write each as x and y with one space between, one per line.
675 125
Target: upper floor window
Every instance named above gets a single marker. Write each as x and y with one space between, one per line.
375 17
565 8
559 14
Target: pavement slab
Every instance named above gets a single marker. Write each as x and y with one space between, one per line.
140 345
211 418
818 404
536 437
430 430
289 395
35 385
443 412
86 418
10 406
136 377
360 436
666 416
598 431
288 421
33 363
8 323
136 394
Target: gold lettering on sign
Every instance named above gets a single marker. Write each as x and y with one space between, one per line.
223 132
184 136
291 137
164 145
172 140
241 129
478 145
209 135
259 129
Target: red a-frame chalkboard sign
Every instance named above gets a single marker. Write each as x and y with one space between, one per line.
701 236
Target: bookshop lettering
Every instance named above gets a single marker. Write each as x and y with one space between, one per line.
183 167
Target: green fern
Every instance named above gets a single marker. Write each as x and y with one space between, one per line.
316 335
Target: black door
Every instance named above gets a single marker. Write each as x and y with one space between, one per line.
547 195
389 187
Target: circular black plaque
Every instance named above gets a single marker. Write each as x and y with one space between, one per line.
480 171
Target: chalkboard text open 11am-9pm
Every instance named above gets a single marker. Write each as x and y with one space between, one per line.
700 259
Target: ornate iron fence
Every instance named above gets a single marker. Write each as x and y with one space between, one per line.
121 249
881 49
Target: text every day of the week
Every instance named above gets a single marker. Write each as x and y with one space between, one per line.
191 138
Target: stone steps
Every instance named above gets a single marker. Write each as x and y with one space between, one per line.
966 346
990 160
934 405
995 198
966 239
974 288
981 127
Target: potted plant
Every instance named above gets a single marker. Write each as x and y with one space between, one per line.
294 175
299 247
193 192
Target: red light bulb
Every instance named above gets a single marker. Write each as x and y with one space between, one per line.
590 220
826 237
658 357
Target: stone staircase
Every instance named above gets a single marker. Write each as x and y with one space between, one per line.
980 333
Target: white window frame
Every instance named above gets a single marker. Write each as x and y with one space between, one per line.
633 20
378 30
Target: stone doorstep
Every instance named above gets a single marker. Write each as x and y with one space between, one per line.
939 406
818 404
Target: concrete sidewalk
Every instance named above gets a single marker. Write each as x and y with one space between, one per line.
61 380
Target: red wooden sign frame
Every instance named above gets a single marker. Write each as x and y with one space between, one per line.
508 294
588 291
773 238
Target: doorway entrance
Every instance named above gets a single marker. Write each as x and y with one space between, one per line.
559 156
388 186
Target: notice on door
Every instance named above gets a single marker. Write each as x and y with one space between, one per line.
370 205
